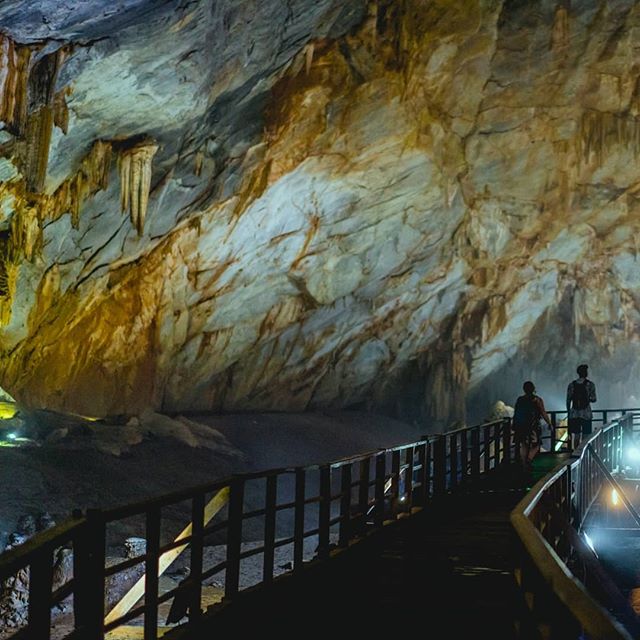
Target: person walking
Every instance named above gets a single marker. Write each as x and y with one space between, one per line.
527 413
580 394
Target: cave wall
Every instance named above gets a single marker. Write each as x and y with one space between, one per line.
296 205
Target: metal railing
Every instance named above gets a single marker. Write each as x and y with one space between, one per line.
556 572
333 504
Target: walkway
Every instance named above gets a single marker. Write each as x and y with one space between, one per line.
452 563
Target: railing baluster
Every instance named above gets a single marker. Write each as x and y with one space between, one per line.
363 491
408 479
270 501
40 585
395 481
440 466
453 460
464 456
298 523
151 574
345 506
234 538
379 488
486 448
475 453
506 440
197 549
324 511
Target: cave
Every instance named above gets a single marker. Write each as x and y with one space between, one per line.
240 235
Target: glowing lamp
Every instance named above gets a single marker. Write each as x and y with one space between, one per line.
12 436
614 497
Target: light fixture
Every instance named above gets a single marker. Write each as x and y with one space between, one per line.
614 497
12 436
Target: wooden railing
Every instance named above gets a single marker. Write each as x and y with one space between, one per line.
556 438
335 504
556 571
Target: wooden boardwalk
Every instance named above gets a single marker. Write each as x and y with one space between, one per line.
448 567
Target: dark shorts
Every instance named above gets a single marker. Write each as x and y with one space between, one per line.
580 425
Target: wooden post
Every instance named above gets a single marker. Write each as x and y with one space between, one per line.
506 437
152 555
408 479
40 584
270 502
554 426
197 552
486 435
464 456
439 466
345 505
395 481
234 538
379 488
324 512
475 453
88 572
298 522
363 492
453 460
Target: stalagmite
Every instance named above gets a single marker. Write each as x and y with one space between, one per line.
135 180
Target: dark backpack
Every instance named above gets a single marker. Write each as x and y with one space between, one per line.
580 395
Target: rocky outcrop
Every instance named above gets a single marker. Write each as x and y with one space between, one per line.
328 203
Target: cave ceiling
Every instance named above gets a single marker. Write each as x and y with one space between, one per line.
290 205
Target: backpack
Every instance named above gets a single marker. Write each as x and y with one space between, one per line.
525 412
580 395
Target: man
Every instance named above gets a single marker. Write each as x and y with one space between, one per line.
580 394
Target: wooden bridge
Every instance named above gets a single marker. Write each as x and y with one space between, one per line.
444 532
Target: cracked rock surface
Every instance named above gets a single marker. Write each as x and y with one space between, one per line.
410 205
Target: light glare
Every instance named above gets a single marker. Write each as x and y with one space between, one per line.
614 497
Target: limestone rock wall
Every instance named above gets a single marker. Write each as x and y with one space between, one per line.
289 205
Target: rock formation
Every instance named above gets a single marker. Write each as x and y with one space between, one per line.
412 205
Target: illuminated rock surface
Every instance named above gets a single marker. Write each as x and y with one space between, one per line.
296 205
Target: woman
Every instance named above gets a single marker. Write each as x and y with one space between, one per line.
526 423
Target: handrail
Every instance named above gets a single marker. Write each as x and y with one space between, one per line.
541 521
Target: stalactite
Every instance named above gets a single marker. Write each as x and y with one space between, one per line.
91 177
560 30
601 132
61 111
135 180
14 73
308 57
197 163
40 119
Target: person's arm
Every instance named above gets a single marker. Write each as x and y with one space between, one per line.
543 411
592 392
569 394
